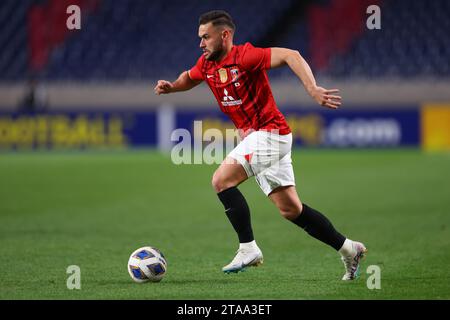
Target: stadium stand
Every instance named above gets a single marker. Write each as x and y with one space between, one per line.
417 44
134 40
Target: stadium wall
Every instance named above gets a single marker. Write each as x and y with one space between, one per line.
357 93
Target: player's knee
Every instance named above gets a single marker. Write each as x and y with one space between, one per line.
215 182
291 211
219 183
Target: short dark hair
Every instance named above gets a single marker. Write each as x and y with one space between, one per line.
218 18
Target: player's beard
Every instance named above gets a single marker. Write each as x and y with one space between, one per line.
216 53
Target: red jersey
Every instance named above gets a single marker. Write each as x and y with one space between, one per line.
241 86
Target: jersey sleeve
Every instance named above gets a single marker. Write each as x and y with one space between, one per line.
254 58
195 72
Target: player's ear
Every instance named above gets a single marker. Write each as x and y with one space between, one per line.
225 34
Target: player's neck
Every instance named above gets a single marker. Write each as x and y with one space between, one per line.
225 53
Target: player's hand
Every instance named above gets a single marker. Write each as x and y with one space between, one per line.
329 98
163 87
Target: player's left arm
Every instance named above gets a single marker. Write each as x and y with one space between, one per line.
325 97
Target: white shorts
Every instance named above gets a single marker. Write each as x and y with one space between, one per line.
267 156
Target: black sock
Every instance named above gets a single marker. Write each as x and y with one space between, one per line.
238 213
319 227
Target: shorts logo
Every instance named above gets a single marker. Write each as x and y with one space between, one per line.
229 100
223 75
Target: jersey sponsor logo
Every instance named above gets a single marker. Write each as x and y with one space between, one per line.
223 75
229 100
227 96
209 76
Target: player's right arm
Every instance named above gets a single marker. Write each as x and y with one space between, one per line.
326 97
183 83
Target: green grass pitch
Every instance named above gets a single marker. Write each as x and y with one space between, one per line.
93 209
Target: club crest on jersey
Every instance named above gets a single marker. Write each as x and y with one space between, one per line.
223 75
234 74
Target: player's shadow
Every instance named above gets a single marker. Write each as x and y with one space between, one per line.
200 281
174 281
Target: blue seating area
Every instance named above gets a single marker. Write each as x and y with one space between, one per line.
13 39
141 39
414 40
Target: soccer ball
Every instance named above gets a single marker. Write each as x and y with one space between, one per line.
147 264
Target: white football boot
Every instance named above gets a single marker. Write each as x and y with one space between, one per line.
245 257
352 260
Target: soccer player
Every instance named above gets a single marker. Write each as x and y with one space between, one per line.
237 77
